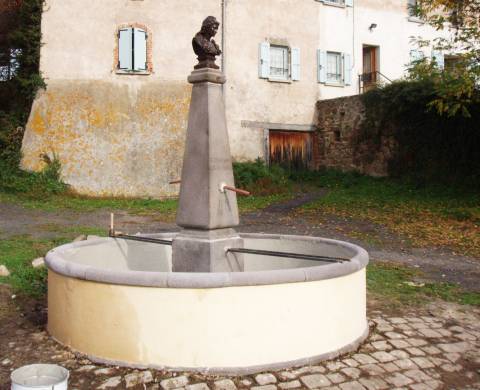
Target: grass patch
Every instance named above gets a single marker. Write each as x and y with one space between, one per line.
399 285
86 204
425 215
45 191
134 206
252 203
17 254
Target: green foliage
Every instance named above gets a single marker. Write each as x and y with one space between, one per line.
17 94
38 185
11 134
257 177
456 87
431 147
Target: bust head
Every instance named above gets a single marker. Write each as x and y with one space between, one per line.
210 27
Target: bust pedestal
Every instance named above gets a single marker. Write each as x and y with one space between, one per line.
206 211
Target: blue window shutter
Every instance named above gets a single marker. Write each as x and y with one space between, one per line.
264 60
295 64
140 49
322 66
125 49
347 64
349 3
439 58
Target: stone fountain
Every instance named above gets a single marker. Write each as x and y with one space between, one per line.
208 298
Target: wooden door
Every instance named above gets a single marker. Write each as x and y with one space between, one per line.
369 66
290 149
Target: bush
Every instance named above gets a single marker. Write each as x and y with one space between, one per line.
257 177
431 147
32 184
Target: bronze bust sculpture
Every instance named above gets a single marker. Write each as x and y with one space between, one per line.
204 46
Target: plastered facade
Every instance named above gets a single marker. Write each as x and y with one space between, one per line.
123 134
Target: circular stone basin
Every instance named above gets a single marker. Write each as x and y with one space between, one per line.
118 302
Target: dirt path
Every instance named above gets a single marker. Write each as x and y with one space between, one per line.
438 264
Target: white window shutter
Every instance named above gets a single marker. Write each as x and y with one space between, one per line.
140 49
347 64
295 64
439 58
264 60
349 3
125 49
322 66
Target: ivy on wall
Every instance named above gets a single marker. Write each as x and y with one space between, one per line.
22 46
430 147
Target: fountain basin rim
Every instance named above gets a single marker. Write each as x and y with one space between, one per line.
55 261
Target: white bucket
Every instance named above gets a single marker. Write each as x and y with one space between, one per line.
40 377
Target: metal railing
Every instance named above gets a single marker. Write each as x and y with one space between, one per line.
370 80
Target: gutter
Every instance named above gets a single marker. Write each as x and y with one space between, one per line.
224 38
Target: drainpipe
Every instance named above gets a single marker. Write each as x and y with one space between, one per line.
354 56
224 39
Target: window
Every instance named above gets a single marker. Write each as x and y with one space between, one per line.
279 63
341 3
334 68
438 57
416 56
411 7
451 62
133 50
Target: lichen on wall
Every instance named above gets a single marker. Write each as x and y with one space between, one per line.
112 139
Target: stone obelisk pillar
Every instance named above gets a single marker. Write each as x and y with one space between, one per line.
207 212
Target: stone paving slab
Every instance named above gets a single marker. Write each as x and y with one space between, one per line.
421 350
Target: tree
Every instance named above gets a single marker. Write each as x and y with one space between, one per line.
458 85
17 92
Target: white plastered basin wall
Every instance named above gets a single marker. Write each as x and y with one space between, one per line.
278 313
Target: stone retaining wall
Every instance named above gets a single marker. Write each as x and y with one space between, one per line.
339 144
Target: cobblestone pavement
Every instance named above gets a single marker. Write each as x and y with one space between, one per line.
435 347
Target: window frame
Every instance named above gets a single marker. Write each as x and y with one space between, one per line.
148 48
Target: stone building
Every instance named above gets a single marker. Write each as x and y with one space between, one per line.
116 103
